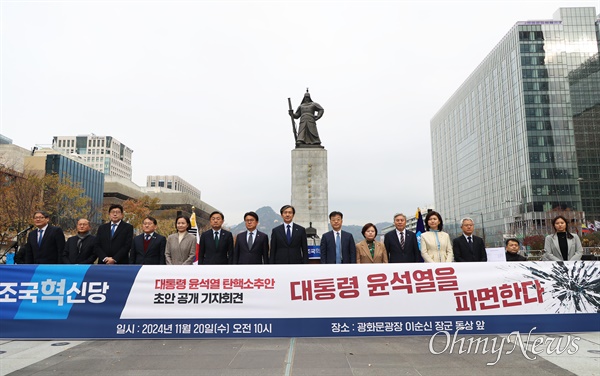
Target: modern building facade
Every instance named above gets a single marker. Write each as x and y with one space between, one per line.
584 84
117 190
505 146
105 153
49 161
173 182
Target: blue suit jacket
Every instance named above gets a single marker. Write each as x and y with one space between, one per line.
328 248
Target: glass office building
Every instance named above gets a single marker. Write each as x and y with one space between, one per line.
91 180
517 143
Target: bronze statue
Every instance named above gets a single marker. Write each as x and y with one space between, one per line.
307 136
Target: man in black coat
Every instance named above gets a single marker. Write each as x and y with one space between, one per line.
216 244
81 248
251 246
288 241
148 248
468 247
46 244
401 244
114 238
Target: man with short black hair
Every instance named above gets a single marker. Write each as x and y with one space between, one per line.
216 244
148 248
251 246
337 245
288 241
46 244
512 250
114 238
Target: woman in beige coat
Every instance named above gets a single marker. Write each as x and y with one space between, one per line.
181 246
436 245
370 251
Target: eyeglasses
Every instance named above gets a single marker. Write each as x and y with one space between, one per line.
38 217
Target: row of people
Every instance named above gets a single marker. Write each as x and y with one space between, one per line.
437 247
114 243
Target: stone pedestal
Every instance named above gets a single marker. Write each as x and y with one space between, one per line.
309 188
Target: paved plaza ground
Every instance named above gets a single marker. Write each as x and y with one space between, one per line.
295 356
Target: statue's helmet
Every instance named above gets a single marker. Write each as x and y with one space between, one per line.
306 98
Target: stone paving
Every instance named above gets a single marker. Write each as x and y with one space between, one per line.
291 356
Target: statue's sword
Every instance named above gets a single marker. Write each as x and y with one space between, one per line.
293 122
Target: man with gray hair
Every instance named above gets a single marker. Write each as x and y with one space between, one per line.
401 244
468 247
81 248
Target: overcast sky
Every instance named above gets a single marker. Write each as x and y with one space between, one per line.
199 88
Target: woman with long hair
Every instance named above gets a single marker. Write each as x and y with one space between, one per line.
562 245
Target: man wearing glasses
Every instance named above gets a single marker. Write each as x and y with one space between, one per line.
114 238
46 243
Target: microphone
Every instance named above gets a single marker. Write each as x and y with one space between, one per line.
24 231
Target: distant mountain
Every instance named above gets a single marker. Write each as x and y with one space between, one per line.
355 230
269 219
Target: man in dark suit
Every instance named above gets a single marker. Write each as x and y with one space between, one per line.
468 247
251 246
148 248
337 246
80 249
401 244
216 244
288 241
46 244
113 239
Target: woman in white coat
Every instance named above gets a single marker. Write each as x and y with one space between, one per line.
436 245
181 246
562 245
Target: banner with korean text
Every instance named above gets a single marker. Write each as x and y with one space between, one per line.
101 301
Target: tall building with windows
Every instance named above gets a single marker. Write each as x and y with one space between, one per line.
173 182
517 143
105 153
49 161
